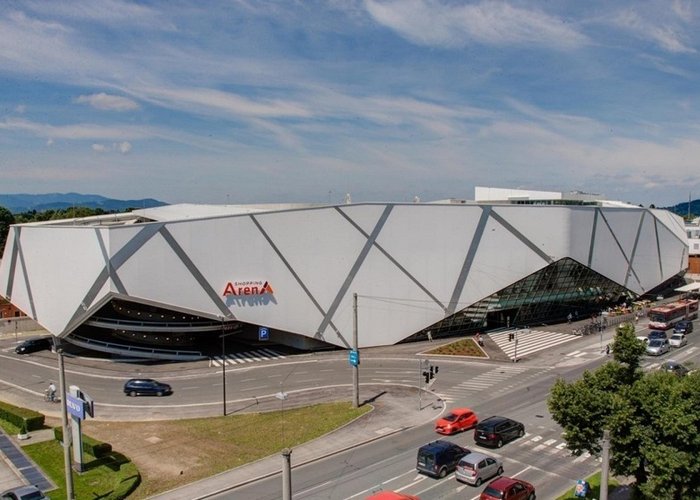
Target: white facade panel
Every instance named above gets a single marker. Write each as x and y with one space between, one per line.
549 229
431 243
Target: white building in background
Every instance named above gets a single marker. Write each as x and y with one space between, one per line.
174 276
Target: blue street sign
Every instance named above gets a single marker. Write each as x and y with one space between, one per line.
263 333
75 406
354 358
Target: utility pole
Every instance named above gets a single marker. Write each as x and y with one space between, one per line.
355 366
286 474
64 420
605 465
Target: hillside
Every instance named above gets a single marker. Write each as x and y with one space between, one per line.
18 203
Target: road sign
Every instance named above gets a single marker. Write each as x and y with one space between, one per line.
354 358
75 406
263 333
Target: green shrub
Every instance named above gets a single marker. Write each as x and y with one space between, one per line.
96 448
21 416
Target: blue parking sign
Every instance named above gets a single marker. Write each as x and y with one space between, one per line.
263 333
354 358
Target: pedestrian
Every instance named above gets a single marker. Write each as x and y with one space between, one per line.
607 350
569 318
430 336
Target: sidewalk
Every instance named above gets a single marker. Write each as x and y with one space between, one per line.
395 409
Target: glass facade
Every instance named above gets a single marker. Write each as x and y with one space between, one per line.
546 296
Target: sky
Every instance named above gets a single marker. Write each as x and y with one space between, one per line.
242 101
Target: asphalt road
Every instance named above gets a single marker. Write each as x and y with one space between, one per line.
517 390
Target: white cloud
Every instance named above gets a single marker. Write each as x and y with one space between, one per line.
658 27
49 142
434 23
100 148
108 102
20 108
123 147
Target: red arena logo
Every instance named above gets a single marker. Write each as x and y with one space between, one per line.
244 288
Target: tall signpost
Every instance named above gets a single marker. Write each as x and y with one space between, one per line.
354 357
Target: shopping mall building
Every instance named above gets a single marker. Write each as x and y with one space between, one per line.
175 277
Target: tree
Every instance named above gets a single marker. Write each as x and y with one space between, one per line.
6 220
653 420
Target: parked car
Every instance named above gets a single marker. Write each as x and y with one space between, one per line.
476 468
459 419
677 340
391 495
34 345
23 493
657 334
439 457
657 347
675 367
146 387
684 326
495 431
508 488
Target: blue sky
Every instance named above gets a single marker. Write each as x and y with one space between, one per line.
246 101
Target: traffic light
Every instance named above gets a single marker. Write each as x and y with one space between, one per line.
427 376
511 336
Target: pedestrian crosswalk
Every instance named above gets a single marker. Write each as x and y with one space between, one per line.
240 358
552 446
495 377
528 341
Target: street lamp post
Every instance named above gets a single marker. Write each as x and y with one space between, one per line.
64 421
223 360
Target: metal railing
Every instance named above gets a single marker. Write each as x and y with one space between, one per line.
135 351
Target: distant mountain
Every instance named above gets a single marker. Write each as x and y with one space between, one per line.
682 208
17 203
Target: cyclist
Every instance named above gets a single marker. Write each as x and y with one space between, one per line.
51 392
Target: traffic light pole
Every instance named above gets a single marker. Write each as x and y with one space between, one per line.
355 368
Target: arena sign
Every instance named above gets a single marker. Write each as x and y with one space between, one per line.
247 288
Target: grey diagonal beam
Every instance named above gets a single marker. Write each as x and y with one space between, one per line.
521 237
658 248
196 274
112 273
291 271
355 268
617 242
392 260
592 245
630 269
120 257
468 260
13 262
23 265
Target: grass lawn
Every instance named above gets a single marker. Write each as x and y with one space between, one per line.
463 347
594 492
108 478
171 453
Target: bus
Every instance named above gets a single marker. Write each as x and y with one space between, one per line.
665 316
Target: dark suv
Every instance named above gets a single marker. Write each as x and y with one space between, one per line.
684 326
494 431
439 457
34 345
146 387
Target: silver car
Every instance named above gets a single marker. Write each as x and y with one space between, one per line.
476 468
657 347
677 340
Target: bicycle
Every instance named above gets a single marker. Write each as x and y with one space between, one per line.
50 397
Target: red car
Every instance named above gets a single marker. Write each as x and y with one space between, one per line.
390 495
459 419
508 488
